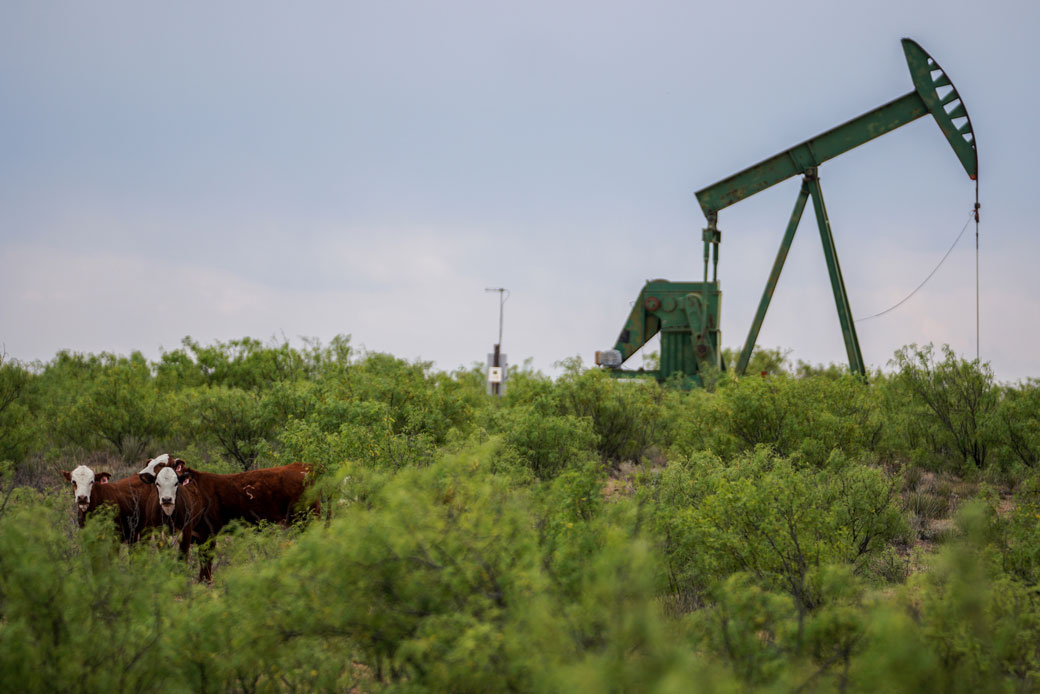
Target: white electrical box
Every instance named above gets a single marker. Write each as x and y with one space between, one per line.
497 376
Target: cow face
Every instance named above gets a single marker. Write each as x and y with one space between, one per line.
83 479
166 475
166 482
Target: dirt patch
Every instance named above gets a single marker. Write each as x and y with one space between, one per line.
621 481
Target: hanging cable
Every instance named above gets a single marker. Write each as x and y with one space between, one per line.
977 357
974 213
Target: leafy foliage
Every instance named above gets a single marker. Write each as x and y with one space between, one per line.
955 400
1017 423
798 531
16 433
627 416
547 443
116 405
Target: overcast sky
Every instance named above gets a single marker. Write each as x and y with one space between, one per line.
287 170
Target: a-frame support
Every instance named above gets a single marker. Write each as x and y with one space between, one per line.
810 189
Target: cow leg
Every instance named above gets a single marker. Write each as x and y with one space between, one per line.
185 543
129 530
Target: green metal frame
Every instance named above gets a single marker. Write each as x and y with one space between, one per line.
690 336
805 158
774 276
686 314
862 129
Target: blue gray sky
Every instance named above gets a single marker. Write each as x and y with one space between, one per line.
287 170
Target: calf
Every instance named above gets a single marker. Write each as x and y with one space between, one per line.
135 501
200 504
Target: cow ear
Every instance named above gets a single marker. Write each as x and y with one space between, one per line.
178 465
184 478
147 477
103 477
67 475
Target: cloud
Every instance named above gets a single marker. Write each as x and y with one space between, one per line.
399 300
371 169
419 293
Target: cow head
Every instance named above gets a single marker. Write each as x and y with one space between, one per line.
149 471
155 462
83 479
166 482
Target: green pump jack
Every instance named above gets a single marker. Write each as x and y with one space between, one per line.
687 313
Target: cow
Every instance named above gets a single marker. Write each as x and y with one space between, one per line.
135 502
199 504
154 463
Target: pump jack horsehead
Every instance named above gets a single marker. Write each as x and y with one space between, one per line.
687 313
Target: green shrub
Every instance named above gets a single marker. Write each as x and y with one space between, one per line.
626 415
780 523
479 544
808 417
373 443
979 628
1020 529
1017 424
119 407
702 421
77 613
240 423
749 628
432 581
547 443
18 430
945 407
571 527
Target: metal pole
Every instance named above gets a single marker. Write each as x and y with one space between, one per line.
501 314
711 236
841 297
774 276
496 360
501 308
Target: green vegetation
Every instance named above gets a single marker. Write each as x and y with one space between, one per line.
795 530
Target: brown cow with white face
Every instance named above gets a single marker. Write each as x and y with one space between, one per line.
200 504
134 501
83 480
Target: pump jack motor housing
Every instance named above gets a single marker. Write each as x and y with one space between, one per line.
687 313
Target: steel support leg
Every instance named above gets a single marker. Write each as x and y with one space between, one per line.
774 276
841 298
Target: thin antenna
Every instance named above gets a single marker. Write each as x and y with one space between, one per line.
503 294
